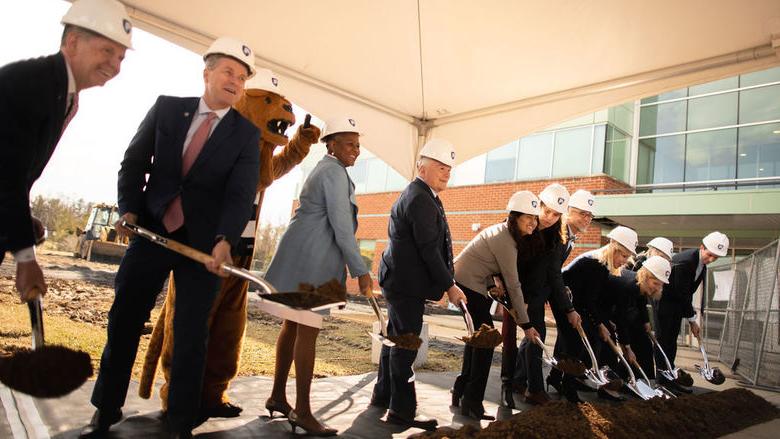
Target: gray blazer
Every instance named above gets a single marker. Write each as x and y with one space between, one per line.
491 252
320 241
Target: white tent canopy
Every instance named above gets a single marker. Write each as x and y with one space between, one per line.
478 73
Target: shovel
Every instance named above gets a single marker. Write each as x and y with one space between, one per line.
660 391
570 367
467 318
595 377
711 374
316 300
382 336
639 388
46 371
671 374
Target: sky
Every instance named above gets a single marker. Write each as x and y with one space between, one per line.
87 158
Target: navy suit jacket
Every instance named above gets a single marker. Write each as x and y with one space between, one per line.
416 262
217 193
33 95
678 293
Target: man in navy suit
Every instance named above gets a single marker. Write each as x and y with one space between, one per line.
416 266
201 158
689 269
38 97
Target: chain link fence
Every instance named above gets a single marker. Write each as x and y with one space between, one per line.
741 314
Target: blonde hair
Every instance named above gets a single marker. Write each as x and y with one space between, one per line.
642 277
606 255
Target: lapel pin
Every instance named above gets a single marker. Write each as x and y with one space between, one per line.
186 114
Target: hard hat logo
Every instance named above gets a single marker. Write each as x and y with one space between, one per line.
590 202
534 203
560 200
667 273
452 154
246 50
126 25
275 82
720 246
351 121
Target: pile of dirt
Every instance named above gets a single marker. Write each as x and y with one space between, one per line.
332 290
50 371
409 341
486 337
696 416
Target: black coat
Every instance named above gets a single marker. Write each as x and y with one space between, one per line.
417 261
541 276
218 191
587 279
33 95
628 304
677 296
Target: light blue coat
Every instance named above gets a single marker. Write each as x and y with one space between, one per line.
320 242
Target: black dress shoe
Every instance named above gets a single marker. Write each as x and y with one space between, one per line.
425 424
455 402
507 398
101 421
474 410
224 410
610 396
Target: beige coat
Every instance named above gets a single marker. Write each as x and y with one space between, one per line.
492 252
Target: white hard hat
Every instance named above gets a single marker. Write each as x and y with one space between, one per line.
625 237
524 202
264 79
583 200
717 243
337 125
440 150
105 17
660 267
556 197
235 49
663 245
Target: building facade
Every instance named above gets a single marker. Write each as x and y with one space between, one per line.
679 164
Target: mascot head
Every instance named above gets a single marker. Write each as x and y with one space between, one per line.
263 104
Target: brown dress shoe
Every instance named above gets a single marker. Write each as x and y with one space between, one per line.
537 398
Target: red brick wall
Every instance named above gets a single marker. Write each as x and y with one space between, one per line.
466 205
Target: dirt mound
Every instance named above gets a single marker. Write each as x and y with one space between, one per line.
47 372
697 416
486 337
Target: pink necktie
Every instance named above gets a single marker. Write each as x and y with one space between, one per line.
174 214
74 107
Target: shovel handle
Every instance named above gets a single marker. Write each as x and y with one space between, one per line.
35 307
467 317
307 121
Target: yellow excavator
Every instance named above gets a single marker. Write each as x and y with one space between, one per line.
99 240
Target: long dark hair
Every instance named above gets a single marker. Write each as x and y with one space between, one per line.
528 246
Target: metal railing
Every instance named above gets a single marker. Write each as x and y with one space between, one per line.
742 327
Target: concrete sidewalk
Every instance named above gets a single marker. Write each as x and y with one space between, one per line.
340 402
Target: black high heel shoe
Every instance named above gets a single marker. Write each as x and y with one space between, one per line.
568 392
272 406
474 410
322 431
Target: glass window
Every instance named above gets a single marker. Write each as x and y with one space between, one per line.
762 77
500 163
572 152
535 156
471 171
616 154
759 104
358 174
759 151
376 175
661 160
710 87
622 117
599 139
395 182
711 155
675 94
712 111
662 118
367 249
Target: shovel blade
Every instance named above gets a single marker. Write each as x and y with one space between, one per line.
380 338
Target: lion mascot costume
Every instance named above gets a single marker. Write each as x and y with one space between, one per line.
264 106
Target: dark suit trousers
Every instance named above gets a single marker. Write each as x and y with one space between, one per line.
475 369
140 278
669 320
567 341
395 379
529 356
